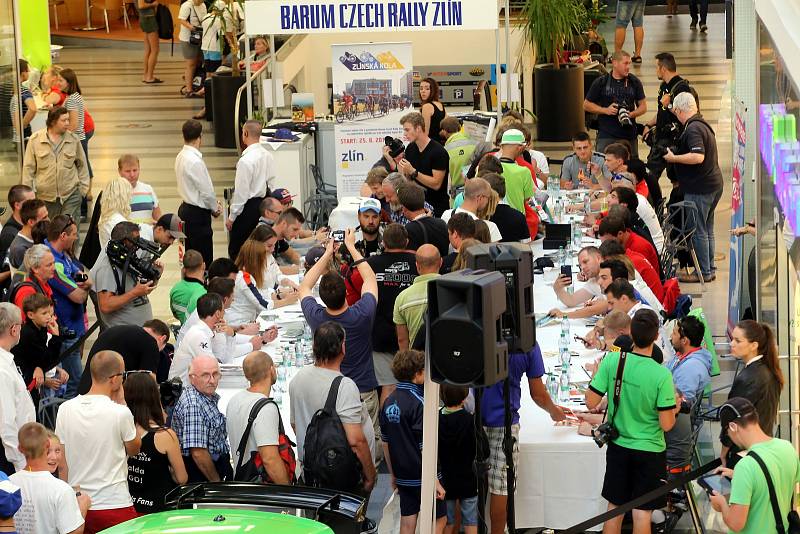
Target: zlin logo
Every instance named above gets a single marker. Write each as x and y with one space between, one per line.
366 61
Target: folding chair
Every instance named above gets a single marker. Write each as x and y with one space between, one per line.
319 205
680 225
48 411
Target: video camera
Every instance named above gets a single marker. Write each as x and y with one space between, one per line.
138 260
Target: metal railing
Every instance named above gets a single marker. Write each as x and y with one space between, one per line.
248 84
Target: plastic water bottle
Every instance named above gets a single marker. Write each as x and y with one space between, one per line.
552 386
562 257
566 358
587 204
563 386
563 342
308 336
301 273
577 236
557 211
298 355
565 328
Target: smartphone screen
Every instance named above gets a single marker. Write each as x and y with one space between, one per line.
717 483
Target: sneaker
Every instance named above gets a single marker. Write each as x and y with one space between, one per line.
703 28
693 25
689 278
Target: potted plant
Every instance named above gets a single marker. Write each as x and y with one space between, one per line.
228 17
549 26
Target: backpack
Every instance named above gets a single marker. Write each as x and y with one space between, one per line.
329 462
253 470
12 293
166 26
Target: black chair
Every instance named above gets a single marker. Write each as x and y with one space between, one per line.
319 205
679 227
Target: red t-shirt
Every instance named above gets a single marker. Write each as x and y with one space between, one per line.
643 247
25 291
642 189
648 273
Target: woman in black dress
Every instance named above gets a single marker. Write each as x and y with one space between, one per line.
431 108
760 382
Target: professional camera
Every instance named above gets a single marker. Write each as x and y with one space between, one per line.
138 260
604 434
624 117
80 277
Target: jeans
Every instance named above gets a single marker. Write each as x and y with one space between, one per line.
693 4
703 239
71 363
71 205
630 11
602 142
85 145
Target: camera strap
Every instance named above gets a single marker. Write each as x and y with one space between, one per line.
618 384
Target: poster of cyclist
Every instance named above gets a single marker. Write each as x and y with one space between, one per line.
372 89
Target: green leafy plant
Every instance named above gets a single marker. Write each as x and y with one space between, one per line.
596 12
548 26
230 15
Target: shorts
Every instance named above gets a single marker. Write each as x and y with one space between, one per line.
410 497
498 478
148 23
190 51
630 11
631 473
469 511
383 368
97 520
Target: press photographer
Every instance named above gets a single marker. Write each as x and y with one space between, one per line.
663 130
125 275
637 417
617 98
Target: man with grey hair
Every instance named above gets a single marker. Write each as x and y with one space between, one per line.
391 186
121 297
699 179
16 405
254 171
40 265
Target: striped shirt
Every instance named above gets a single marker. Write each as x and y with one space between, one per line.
74 102
143 202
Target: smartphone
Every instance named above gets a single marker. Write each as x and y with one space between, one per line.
581 339
337 236
566 270
718 483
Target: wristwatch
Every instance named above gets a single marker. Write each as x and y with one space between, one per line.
414 175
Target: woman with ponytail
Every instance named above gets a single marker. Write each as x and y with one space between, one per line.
761 380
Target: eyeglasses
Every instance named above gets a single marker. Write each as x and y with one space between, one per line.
126 374
70 222
216 375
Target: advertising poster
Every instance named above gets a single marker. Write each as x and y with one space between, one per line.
737 217
372 89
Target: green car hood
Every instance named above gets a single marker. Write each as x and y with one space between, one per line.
201 521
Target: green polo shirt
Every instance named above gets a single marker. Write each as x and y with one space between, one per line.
411 305
183 298
519 185
749 487
647 389
459 147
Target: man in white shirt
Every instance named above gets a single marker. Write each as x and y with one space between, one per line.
98 436
16 406
48 503
199 201
589 260
254 171
476 196
210 336
264 435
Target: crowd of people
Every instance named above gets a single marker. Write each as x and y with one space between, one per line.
119 445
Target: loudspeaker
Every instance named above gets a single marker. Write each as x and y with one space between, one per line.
466 346
515 262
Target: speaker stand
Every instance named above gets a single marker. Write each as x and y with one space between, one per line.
508 446
426 521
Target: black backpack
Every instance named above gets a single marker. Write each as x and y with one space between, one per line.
12 293
329 461
166 26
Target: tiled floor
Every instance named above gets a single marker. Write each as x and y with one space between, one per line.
146 120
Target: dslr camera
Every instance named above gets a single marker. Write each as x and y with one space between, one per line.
605 434
624 116
138 259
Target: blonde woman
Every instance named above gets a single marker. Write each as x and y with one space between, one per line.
115 207
461 259
51 86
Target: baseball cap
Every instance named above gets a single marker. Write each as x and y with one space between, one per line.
396 146
513 137
283 195
10 497
313 255
733 409
370 204
173 224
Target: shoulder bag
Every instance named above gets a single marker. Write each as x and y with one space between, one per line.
253 470
793 517
196 33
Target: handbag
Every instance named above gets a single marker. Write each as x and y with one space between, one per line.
196 33
253 470
792 516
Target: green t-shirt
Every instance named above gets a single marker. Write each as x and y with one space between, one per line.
460 148
183 298
411 304
519 185
749 487
647 388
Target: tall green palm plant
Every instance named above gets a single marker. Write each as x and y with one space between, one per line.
549 25
227 13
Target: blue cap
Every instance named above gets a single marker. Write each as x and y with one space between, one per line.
10 497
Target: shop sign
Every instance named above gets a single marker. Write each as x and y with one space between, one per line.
737 216
780 152
331 16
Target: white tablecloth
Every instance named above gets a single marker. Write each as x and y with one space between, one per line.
345 215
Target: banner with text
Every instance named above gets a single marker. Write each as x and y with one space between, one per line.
737 218
329 16
372 89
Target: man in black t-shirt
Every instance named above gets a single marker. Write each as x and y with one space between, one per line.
608 95
666 124
699 178
510 222
425 163
422 228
